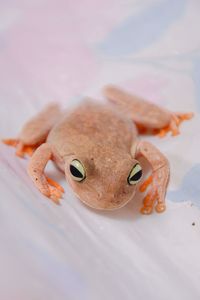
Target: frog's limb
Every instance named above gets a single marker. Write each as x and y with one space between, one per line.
55 184
146 115
21 149
36 167
35 131
159 179
173 126
145 184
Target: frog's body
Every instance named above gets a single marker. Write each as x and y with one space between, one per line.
80 133
82 128
101 143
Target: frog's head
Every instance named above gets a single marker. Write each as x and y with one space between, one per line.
104 181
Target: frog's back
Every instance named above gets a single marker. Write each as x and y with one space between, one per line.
92 124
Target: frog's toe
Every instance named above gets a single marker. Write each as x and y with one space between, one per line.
51 192
175 122
55 195
55 184
148 202
21 149
56 190
10 142
185 116
17 144
160 207
146 210
145 184
29 150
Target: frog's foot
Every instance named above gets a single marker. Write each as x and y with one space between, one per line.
52 193
173 127
145 184
49 188
55 194
21 149
148 203
10 142
150 198
153 196
55 184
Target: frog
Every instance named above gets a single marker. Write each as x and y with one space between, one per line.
98 147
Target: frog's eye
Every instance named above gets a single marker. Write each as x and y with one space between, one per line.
135 175
77 170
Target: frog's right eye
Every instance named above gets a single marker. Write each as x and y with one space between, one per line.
77 170
135 175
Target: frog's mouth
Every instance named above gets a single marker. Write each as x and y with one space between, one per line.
104 205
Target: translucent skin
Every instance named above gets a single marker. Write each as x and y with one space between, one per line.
105 139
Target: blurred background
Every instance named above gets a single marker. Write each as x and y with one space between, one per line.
65 50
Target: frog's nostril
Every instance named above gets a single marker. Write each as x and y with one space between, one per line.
99 195
108 197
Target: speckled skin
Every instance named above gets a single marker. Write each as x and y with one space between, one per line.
105 139
81 135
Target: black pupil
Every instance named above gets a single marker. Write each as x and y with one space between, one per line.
137 176
75 172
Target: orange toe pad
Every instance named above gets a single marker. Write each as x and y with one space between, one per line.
21 149
173 127
10 142
146 183
55 184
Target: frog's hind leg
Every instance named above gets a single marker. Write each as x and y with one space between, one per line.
146 115
35 131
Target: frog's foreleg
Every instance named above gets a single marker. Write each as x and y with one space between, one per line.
36 168
159 179
146 115
35 131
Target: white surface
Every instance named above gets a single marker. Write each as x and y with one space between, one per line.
71 252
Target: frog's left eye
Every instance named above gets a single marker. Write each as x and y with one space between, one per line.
135 175
77 170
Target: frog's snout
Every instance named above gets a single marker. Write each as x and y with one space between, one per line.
110 201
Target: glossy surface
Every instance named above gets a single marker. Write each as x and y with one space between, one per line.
67 252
